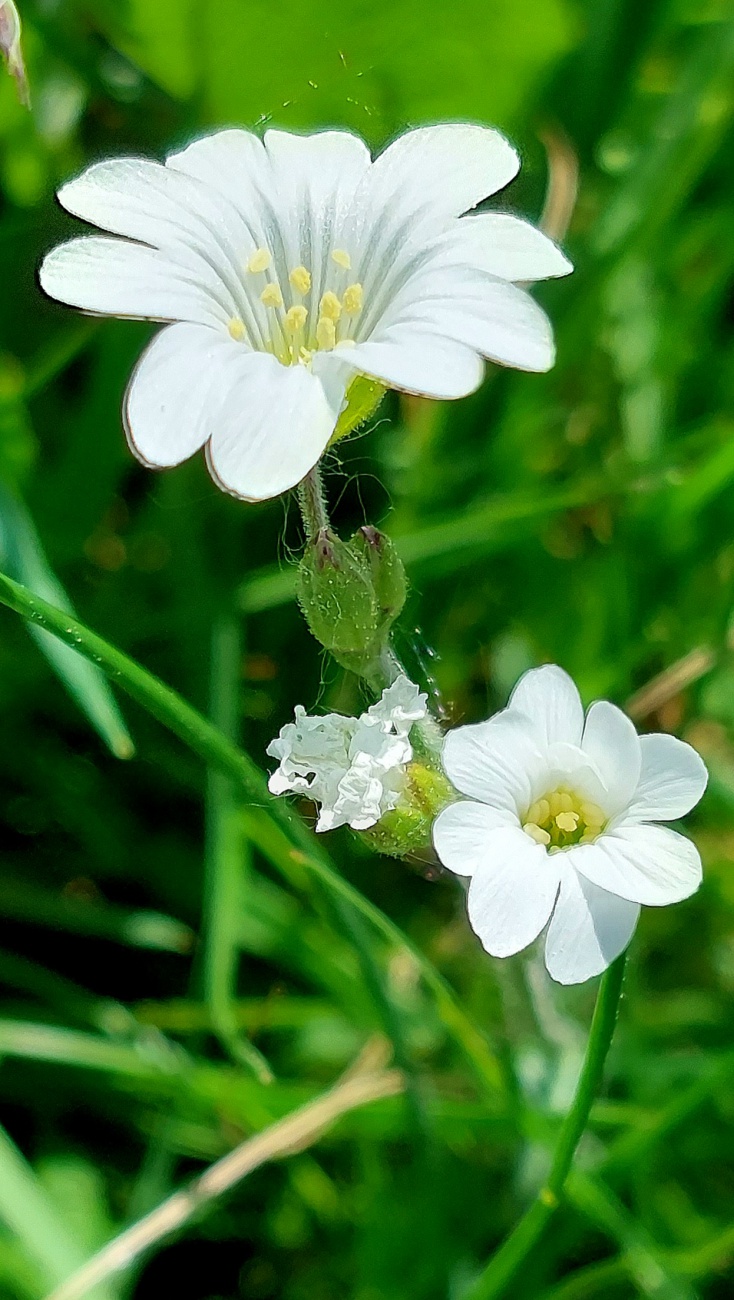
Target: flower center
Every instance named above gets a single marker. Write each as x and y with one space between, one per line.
561 819
301 318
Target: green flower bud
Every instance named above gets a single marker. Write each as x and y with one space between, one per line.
10 48
407 827
386 570
350 594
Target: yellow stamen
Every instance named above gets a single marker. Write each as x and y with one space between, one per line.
325 333
236 329
592 815
271 296
300 278
295 319
536 833
330 307
346 343
342 259
260 260
567 821
353 299
305 355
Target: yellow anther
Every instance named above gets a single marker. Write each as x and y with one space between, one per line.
260 260
567 821
236 329
539 812
536 833
559 801
346 343
305 355
271 296
592 815
353 299
295 319
342 259
300 278
325 333
330 307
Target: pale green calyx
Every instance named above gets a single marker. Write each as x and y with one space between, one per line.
351 593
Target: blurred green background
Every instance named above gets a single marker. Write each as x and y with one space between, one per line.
150 926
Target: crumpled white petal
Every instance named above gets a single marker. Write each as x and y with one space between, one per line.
588 929
611 742
461 834
549 696
673 778
353 768
510 899
645 864
401 704
272 426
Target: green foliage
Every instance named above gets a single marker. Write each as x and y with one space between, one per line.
169 939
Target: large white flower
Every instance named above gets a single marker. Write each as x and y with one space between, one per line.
291 265
559 824
354 768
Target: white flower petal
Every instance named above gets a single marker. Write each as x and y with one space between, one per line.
588 929
172 211
415 360
496 319
445 169
672 780
318 173
496 762
461 834
549 697
173 395
504 246
512 893
116 278
611 742
651 865
273 424
232 163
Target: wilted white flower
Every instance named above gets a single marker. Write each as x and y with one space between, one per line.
292 265
558 824
354 768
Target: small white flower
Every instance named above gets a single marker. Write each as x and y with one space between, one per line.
354 768
289 266
557 825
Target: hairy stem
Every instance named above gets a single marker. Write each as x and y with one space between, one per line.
312 501
505 1264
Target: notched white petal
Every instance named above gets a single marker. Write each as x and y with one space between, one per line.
505 246
512 893
673 778
611 742
274 423
652 865
589 929
461 834
549 697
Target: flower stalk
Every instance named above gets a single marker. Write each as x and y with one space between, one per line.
516 1250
